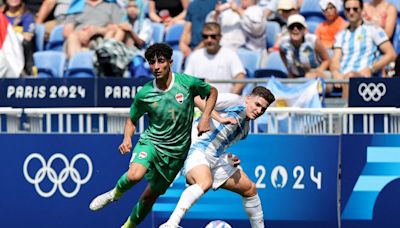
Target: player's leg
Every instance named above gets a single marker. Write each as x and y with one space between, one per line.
141 160
135 173
199 178
240 183
142 207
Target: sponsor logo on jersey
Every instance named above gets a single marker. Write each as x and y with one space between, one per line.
142 155
179 97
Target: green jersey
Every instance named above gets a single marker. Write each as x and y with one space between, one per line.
170 113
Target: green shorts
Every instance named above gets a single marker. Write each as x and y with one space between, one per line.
161 169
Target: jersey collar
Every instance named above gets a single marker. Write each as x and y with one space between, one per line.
170 85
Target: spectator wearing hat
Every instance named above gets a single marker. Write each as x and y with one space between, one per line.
334 23
285 9
302 52
356 46
271 6
241 25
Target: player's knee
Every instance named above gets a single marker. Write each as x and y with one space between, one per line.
251 190
205 185
134 176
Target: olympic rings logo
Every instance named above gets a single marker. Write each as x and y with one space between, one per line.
371 91
57 180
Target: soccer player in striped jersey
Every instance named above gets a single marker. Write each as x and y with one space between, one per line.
161 150
208 165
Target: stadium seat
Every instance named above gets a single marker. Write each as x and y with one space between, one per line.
312 26
173 35
311 10
273 29
250 59
275 65
50 64
81 65
56 39
177 64
158 32
39 37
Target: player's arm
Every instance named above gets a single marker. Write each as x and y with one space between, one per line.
204 124
129 130
200 103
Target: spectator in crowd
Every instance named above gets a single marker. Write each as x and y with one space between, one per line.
334 23
168 12
59 10
24 25
271 7
96 18
285 9
241 25
214 62
302 52
356 46
137 31
381 13
194 21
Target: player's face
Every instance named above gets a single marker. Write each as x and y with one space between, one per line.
160 67
255 106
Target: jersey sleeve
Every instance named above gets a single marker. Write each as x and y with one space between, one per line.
339 40
378 35
137 108
199 87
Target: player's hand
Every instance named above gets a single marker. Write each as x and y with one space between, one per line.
228 120
235 159
125 146
203 126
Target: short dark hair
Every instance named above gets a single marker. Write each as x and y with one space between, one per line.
361 3
158 49
212 25
263 92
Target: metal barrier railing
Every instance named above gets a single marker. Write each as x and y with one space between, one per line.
275 121
10 119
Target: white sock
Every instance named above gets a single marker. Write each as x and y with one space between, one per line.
252 206
188 198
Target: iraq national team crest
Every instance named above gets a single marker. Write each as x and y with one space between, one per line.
179 98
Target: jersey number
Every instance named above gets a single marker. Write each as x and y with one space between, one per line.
172 111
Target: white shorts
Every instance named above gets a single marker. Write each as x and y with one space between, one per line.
221 167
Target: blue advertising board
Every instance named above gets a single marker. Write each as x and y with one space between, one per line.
296 178
370 186
50 92
374 92
49 181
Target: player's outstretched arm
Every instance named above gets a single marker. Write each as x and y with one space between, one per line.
204 124
200 103
126 144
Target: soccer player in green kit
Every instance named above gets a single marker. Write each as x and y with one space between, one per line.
161 150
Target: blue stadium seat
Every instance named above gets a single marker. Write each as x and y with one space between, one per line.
56 39
250 59
50 64
81 65
39 37
274 67
158 32
312 26
311 10
177 64
273 29
173 35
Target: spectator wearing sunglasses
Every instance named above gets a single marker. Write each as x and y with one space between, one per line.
302 52
355 48
334 23
214 62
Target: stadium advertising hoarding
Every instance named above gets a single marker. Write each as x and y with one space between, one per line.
374 92
49 181
68 92
370 186
296 178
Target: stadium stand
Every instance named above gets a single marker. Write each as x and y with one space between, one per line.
50 64
81 65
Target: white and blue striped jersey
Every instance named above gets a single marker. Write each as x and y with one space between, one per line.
222 136
359 47
300 60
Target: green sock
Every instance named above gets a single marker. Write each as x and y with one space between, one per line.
139 212
123 185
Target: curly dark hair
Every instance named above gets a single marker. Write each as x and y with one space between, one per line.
158 49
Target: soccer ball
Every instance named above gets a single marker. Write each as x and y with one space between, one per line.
218 224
